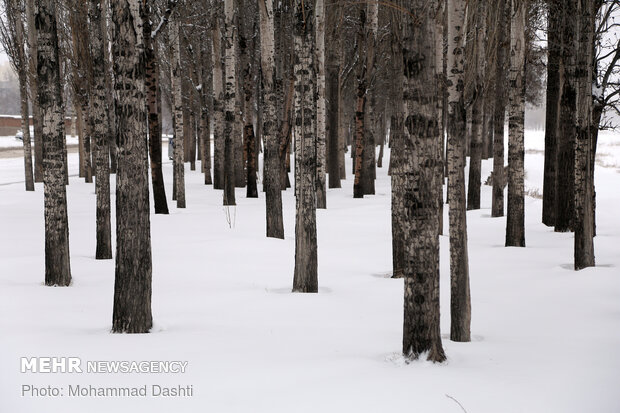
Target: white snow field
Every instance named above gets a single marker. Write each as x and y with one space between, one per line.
545 338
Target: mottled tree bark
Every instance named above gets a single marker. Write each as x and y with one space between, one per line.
132 286
422 170
305 279
499 111
515 222
460 300
584 212
218 105
321 191
98 113
230 103
271 179
179 141
57 261
554 38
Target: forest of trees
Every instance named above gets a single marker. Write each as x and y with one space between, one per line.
305 83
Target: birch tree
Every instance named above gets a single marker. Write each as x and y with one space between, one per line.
515 222
179 141
305 277
57 262
273 194
422 170
230 103
460 301
133 272
321 191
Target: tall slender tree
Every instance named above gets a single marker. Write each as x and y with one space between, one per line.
230 102
133 273
422 170
273 194
98 112
57 262
515 222
321 192
305 278
460 301
179 140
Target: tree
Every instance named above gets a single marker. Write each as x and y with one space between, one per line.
554 47
515 222
12 38
229 102
132 283
584 213
321 192
99 121
218 100
273 194
422 171
502 46
32 77
57 263
305 278
175 76
460 302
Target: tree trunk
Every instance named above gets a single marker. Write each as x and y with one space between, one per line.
14 15
175 77
305 279
230 103
98 112
565 181
272 181
554 36
132 286
154 121
421 332
515 222
460 300
370 118
218 106
499 110
584 213
321 191
37 119
57 261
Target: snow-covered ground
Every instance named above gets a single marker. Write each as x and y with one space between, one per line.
545 338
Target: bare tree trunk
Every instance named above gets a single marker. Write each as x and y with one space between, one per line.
132 285
14 18
218 105
460 300
565 180
32 73
584 212
230 103
272 182
204 125
421 332
154 120
515 222
554 38
499 111
57 261
321 191
370 118
98 112
475 159
175 76
305 279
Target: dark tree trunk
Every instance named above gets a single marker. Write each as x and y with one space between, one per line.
230 104
37 119
554 36
499 110
333 150
98 113
154 120
272 180
218 104
179 119
57 261
132 286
